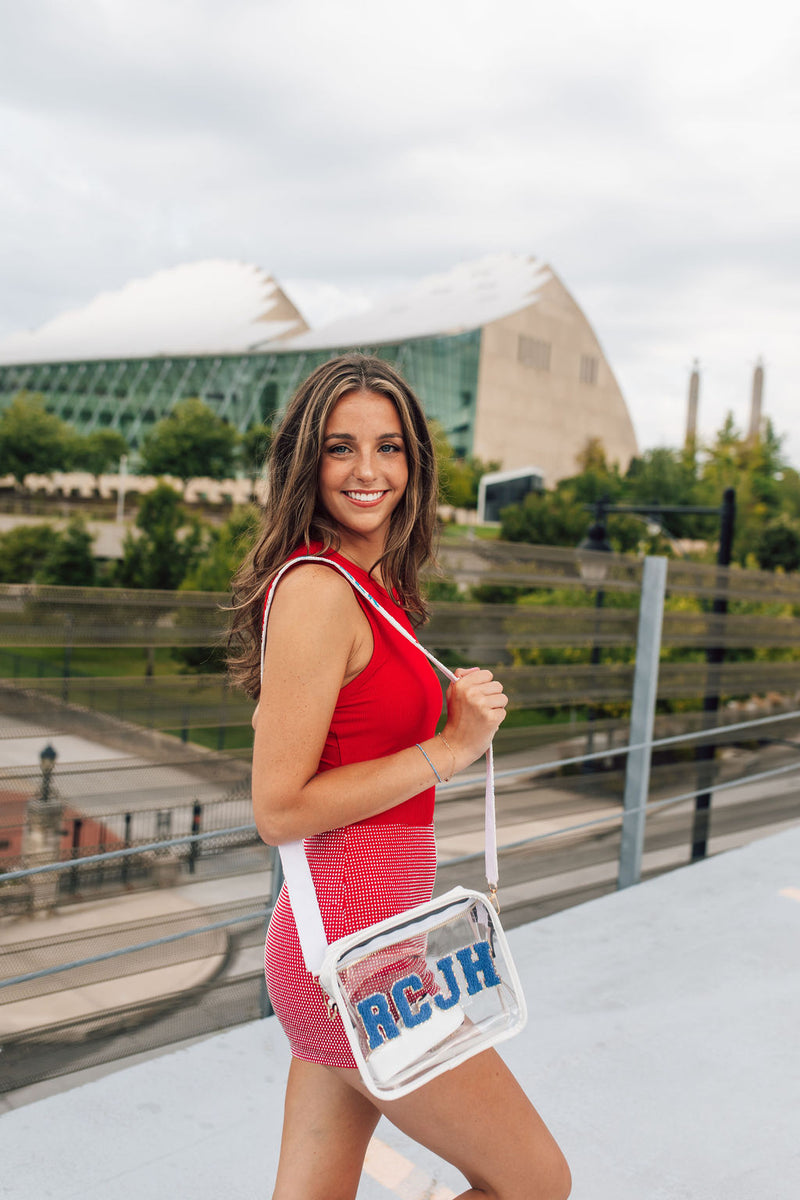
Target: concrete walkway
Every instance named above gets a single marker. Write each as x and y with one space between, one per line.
663 1049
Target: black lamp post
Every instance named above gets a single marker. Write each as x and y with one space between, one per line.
47 761
43 833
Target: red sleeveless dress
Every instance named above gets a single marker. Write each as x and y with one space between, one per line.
379 866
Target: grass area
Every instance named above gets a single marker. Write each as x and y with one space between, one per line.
31 662
486 533
518 718
232 737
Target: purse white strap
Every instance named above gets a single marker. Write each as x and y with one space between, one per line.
297 873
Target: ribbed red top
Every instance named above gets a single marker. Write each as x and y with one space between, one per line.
394 703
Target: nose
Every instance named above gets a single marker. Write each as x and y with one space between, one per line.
364 468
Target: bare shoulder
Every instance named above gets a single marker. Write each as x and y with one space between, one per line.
315 593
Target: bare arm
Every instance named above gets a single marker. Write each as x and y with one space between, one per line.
317 639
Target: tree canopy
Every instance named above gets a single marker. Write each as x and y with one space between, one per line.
42 553
458 477
253 449
99 451
166 546
191 442
32 440
767 499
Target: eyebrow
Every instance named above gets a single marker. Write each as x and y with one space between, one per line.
349 437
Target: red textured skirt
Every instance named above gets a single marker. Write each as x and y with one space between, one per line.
362 874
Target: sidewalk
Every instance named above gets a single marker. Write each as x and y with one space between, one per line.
92 916
662 1049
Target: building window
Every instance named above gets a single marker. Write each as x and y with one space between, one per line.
589 367
533 352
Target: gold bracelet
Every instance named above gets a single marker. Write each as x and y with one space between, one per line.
452 755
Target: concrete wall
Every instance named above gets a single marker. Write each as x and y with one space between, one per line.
542 416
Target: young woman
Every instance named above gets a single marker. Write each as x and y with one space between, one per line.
346 756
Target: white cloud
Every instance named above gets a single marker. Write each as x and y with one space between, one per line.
647 154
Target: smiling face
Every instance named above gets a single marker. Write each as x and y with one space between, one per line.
363 472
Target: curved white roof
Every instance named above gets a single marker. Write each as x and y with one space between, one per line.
211 307
467 297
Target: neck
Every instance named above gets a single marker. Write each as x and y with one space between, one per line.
364 552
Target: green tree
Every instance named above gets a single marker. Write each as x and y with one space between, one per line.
253 449
224 552
22 551
69 560
166 546
99 451
458 477
32 440
758 471
190 442
213 571
562 516
665 476
462 480
552 518
777 544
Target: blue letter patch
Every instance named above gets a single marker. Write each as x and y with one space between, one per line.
376 1015
480 964
411 983
445 965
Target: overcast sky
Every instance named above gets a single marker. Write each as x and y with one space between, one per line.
650 157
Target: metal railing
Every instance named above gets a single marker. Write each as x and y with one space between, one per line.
559 858
222 999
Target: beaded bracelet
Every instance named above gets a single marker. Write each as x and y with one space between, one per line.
430 764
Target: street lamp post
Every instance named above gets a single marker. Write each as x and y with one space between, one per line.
42 843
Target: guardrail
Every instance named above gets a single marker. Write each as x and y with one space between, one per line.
230 997
171 1018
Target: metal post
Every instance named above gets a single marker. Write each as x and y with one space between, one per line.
643 709
127 842
715 656
197 810
77 826
594 661
66 671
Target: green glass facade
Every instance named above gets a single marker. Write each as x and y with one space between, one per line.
131 395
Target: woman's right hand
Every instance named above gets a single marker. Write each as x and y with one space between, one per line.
476 707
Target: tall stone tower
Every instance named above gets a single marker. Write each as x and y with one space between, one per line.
691 411
754 433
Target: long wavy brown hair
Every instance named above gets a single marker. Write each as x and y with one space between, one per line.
294 517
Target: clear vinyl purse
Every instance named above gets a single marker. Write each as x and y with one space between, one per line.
425 990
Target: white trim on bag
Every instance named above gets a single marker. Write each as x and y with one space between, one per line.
424 915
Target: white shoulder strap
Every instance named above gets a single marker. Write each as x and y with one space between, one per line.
299 882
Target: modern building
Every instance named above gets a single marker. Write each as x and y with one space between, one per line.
499 351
